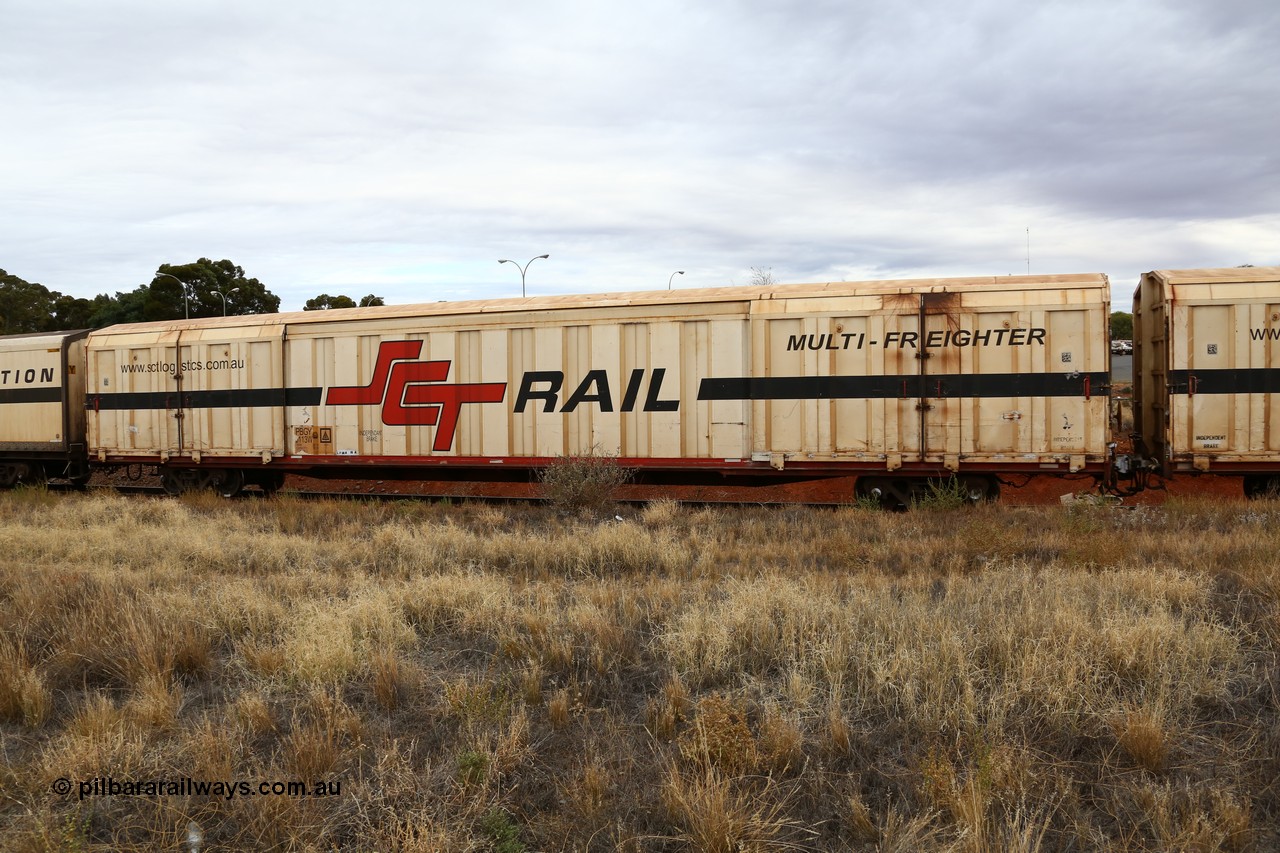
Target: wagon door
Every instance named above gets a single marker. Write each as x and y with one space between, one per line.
840 381
1264 412
1206 420
941 412
876 389
233 396
177 400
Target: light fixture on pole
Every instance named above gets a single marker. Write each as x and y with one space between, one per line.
673 275
224 298
522 269
186 306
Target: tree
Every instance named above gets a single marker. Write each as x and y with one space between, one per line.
324 302
243 295
24 307
164 299
27 307
74 312
1121 326
762 277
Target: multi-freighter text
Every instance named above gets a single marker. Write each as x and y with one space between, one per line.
932 339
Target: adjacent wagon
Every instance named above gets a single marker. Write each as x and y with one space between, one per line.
42 419
1207 372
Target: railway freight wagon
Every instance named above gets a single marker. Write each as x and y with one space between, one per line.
1207 373
42 419
891 381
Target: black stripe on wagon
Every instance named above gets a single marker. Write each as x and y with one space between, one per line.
904 387
248 398
31 395
1245 380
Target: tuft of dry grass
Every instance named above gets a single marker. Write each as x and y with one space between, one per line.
585 485
24 698
1141 733
718 816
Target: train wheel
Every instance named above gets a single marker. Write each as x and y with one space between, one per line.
892 493
9 474
902 493
172 484
269 481
1263 486
978 489
227 483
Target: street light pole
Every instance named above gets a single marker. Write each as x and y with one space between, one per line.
522 269
224 298
673 275
186 306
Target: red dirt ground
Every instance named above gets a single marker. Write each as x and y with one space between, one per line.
1018 490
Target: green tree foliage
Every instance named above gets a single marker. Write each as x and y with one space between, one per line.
1121 326
324 301
24 307
27 307
162 298
204 280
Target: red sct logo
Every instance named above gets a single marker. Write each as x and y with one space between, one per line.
411 394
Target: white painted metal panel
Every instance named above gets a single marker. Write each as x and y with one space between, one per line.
186 391
1206 349
132 391
824 373
896 393
32 393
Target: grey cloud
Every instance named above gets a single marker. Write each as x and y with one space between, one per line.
409 140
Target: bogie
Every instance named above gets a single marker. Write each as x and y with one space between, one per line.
902 493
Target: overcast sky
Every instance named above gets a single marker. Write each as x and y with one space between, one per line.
401 147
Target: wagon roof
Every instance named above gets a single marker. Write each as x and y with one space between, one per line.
639 298
1225 275
34 340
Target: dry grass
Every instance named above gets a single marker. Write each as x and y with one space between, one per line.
482 678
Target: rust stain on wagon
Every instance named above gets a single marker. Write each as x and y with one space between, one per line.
941 302
900 303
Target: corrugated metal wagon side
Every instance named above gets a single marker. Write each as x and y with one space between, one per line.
205 399
905 381
898 379
505 385
1207 365
42 423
